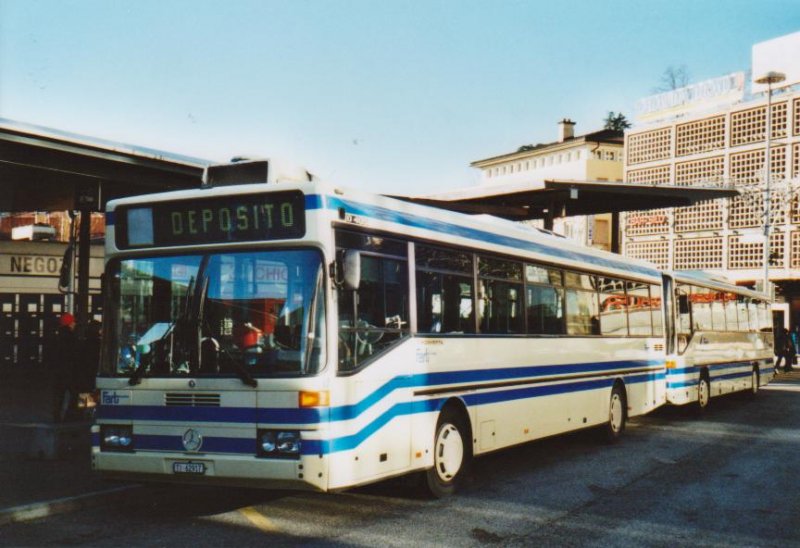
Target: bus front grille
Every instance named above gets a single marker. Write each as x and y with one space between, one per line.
183 399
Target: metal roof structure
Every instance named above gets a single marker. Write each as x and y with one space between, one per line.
552 198
43 169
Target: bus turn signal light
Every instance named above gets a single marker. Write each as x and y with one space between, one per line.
671 364
315 399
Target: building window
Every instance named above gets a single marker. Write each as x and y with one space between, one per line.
649 146
700 136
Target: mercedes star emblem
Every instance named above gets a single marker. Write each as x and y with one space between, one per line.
192 440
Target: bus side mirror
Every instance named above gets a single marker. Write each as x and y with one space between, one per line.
351 264
683 304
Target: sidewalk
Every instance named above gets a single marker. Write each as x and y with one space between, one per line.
33 486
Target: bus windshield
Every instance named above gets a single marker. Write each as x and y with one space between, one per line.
245 314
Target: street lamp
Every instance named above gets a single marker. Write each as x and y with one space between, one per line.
769 78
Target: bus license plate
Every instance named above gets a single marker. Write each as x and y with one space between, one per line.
188 468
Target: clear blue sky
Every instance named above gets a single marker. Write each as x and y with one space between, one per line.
397 97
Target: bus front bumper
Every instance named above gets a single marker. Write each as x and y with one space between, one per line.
307 473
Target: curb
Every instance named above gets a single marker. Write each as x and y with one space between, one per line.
37 510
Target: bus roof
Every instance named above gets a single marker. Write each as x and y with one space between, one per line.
715 281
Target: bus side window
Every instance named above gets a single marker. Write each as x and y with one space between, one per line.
500 296
445 290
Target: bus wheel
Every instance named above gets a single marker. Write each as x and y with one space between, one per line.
703 394
451 455
617 414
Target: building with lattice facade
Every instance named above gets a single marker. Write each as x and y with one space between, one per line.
723 149
725 146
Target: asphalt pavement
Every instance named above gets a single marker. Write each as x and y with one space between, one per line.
45 467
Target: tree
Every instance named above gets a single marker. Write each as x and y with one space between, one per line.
673 78
616 122
526 148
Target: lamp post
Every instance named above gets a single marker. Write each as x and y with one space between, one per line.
769 78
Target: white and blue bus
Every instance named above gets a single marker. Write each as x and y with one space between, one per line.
302 335
721 341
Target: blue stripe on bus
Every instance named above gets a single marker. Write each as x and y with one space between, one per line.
416 221
348 412
351 441
716 368
314 201
314 447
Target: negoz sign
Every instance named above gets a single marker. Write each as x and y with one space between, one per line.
30 265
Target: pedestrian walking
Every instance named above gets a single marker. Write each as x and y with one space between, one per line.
784 349
65 388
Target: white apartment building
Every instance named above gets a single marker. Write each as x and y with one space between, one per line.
595 156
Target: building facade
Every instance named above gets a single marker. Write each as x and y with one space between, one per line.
723 146
596 156
31 303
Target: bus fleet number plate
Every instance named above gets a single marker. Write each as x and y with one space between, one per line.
188 468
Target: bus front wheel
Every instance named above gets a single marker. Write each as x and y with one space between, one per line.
451 454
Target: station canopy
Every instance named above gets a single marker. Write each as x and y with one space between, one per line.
566 198
43 169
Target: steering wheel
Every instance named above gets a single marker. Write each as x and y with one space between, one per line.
366 333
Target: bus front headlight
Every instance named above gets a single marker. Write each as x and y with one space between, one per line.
278 444
116 437
289 443
267 441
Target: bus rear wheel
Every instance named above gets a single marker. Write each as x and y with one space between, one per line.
617 414
451 455
703 394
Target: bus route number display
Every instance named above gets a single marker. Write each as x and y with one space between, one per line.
242 218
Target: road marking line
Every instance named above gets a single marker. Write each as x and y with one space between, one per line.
258 519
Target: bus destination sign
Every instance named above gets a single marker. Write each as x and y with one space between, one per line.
239 218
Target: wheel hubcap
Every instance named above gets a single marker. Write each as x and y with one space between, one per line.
702 395
616 412
449 452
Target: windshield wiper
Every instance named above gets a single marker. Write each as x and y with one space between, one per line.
312 323
241 372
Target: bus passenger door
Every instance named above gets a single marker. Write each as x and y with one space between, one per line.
373 352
